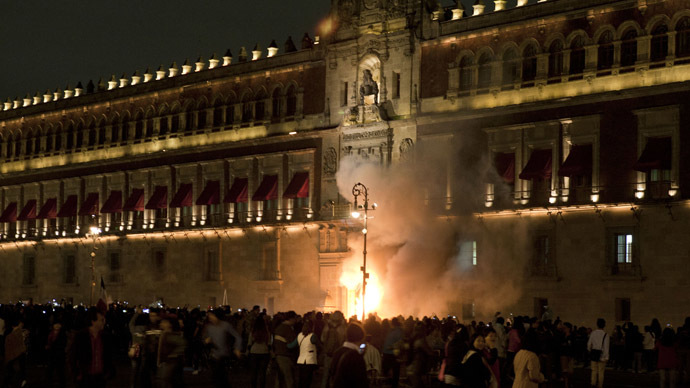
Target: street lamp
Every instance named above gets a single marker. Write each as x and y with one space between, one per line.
361 190
94 232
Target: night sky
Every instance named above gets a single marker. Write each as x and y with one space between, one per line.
46 44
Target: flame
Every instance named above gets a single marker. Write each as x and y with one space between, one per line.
351 278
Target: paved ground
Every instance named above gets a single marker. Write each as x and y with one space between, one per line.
239 377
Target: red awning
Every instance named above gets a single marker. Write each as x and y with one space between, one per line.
90 206
135 202
114 202
656 155
238 193
69 208
578 162
48 210
538 166
10 213
268 189
159 199
505 166
183 197
210 195
28 211
299 186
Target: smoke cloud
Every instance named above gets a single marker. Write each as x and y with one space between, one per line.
422 253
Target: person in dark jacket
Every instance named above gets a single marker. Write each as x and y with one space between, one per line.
347 368
92 358
55 347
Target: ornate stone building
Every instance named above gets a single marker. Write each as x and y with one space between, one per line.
218 180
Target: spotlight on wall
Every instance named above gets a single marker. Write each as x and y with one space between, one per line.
639 194
594 198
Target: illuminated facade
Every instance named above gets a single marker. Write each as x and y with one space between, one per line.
217 180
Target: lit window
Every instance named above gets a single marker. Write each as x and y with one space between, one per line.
624 248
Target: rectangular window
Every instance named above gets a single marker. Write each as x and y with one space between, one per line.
623 309
159 260
29 270
343 93
396 84
468 254
624 248
69 269
269 265
212 271
115 263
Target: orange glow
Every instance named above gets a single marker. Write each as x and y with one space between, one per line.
325 26
351 278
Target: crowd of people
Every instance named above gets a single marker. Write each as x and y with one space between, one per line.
81 347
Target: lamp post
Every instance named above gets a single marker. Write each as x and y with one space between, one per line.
94 232
361 190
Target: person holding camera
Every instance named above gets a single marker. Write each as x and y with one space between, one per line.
598 348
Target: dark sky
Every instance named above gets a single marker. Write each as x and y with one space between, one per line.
45 44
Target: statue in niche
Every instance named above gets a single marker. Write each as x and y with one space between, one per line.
330 159
369 87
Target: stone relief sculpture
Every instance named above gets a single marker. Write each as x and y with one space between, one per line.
330 161
369 87
406 147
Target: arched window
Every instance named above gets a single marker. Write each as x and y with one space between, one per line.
218 113
163 122
201 112
8 148
556 60
260 106
577 55
189 119
29 145
92 134
58 140
17 146
125 136
466 73
291 105
510 68
230 111
115 132
276 103
37 143
175 120
149 124
49 141
629 48
69 144
605 51
659 49
138 127
101 132
247 108
484 71
683 37
80 136
529 63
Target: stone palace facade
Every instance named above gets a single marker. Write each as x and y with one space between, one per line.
215 181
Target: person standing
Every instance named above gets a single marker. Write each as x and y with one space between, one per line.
668 359
284 340
55 347
332 337
390 359
15 355
92 363
307 361
218 334
170 354
259 351
347 369
598 348
526 363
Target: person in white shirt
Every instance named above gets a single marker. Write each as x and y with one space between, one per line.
599 342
